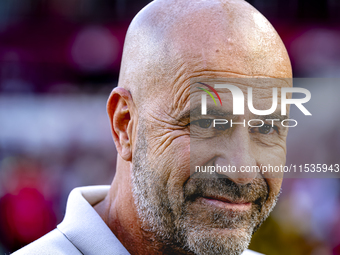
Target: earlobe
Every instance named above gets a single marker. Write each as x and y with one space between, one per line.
119 109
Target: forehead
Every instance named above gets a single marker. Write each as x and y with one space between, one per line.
208 40
227 40
221 52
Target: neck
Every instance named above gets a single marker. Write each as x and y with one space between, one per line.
119 212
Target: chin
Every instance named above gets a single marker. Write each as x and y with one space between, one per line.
218 241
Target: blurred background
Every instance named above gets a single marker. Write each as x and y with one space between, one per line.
59 60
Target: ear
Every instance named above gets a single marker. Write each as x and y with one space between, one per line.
120 107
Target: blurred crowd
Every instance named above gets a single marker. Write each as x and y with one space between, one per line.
59 60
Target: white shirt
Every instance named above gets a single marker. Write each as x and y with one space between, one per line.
82 231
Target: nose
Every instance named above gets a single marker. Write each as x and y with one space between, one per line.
238 158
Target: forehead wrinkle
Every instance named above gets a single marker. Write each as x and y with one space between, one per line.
220 76
243 82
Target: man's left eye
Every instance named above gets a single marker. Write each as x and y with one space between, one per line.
265 129
203 123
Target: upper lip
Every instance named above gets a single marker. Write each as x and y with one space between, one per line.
227 200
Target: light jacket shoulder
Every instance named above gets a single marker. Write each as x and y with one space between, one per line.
54 243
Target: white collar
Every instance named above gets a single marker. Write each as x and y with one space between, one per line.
86 230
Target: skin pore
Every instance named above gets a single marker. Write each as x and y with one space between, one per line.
153 206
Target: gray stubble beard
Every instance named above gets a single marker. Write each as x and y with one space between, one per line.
182 229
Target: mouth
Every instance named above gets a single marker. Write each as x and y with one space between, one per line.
224 203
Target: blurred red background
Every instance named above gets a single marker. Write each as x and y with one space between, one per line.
60 59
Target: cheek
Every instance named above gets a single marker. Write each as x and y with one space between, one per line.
275 157
180 161
204 151
169 155
179 171
274 185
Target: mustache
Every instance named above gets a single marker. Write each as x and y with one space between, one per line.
255 192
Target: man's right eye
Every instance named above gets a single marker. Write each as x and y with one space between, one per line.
203 123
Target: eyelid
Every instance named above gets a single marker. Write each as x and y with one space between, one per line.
206 119
275 128
197 119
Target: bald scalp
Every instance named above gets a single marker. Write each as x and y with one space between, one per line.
171 41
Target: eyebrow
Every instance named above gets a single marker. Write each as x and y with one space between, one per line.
213 111
274 115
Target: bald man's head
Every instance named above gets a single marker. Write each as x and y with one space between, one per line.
158 206
172 41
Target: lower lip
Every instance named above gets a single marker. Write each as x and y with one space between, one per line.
227 205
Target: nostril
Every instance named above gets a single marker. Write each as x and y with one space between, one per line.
240 172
